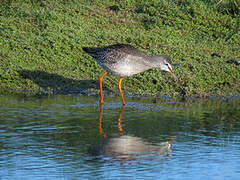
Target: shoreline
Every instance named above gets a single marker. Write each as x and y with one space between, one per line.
29 94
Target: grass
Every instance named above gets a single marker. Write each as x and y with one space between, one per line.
41 45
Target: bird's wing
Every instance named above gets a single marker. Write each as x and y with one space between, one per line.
114 53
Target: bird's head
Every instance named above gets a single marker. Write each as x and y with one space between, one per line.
164 63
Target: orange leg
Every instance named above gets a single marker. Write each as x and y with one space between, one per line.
100 122
120 89
100 85
120 129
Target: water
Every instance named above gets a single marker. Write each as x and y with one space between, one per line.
71 137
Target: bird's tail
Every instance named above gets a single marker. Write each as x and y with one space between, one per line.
89 50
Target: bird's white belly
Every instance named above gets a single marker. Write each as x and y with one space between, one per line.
125 70
126 67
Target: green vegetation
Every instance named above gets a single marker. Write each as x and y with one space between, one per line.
41 45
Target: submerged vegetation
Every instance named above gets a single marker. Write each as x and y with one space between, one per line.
41 45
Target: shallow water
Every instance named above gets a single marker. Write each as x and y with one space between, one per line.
71 137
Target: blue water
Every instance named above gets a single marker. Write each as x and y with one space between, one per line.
72 137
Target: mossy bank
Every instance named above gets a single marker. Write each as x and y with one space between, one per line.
41 45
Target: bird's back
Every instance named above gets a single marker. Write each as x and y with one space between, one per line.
113 53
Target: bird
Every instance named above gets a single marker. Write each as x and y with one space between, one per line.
124 60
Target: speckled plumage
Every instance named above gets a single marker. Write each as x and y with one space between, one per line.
124 60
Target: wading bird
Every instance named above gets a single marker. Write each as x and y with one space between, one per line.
125 60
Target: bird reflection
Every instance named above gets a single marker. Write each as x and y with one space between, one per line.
128 147
120 129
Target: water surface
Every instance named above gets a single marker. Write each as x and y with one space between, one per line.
72 137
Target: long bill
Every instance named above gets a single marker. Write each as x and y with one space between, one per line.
176 79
